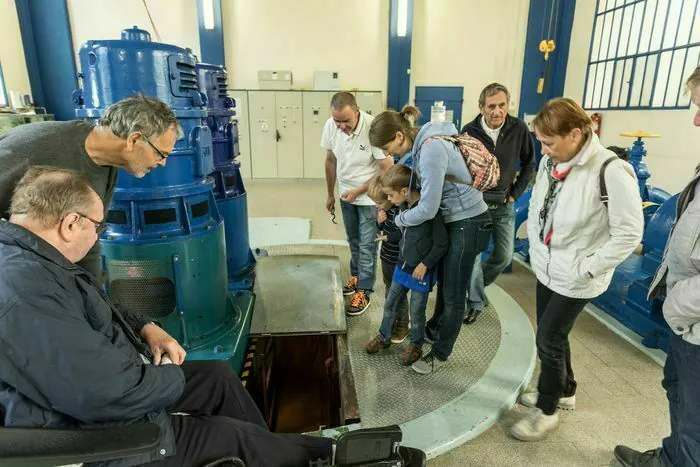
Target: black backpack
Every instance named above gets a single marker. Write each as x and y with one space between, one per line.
601 178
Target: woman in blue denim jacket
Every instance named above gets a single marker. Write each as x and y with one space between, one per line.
445 185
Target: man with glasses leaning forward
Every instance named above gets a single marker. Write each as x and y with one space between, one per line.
136 134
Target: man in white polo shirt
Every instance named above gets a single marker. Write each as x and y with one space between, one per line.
353 162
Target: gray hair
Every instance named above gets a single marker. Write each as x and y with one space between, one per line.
342 99
142 114
491 90
48 194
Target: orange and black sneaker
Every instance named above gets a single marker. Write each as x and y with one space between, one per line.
351 286
359 303
377 344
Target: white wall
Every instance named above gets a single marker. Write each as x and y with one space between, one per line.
673 157
14 67
350 37
175 20
470 44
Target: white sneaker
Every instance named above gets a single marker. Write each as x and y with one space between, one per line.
535 426
529 399
428 364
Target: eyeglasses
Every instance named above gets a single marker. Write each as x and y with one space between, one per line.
162 155
100 227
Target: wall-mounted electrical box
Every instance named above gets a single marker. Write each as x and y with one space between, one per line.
326 81
275 79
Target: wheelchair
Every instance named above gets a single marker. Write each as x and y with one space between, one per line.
41 447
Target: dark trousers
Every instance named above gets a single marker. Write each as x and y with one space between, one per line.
224 421
681 381
454 274
402 309
555 318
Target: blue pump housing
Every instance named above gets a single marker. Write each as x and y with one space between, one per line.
229 192
164 248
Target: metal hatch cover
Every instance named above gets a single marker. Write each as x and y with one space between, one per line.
298 295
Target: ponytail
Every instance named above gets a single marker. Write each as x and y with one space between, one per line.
385 126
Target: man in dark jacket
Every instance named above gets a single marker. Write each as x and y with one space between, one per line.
71 360
509 139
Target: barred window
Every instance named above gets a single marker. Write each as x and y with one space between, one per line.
640 52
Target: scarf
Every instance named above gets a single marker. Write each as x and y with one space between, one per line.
556 174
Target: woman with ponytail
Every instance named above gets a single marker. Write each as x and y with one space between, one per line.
445 186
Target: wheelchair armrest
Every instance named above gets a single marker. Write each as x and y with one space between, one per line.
38 447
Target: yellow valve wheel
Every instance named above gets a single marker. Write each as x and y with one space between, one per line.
640 134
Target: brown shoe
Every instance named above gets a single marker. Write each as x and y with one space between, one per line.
351 286
400 333
377 344
411 354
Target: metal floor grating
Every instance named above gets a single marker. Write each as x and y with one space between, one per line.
387 391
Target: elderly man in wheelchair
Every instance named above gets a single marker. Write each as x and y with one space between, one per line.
83 382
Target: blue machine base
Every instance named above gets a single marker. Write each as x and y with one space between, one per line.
625 300
242 282
232 346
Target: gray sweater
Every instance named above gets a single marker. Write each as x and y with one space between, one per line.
58 144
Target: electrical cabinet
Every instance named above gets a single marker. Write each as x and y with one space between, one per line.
263 133
290 142
276 134
241 118
280 131
316 110
369 101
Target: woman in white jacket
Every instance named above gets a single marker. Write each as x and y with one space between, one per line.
576 241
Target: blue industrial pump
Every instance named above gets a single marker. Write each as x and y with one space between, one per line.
229 191
626 298
164 249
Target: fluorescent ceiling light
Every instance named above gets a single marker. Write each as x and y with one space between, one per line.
208 11
402 18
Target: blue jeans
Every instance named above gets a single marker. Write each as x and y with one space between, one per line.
454 275
402 310
503 218
681 381
396 296
361 230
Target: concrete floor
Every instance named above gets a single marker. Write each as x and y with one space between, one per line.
619 399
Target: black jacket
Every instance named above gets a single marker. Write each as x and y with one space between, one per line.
425 243
514 142
69 358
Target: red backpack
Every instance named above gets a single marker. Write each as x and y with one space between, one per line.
482 165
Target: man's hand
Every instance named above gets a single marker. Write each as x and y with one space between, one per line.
381 237
160 343
419 271
330 204
350 196
511 199
381 216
